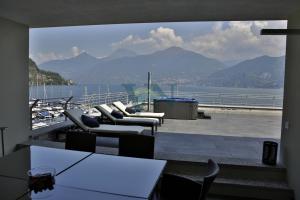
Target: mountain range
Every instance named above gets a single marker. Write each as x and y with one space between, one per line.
260 72
168 66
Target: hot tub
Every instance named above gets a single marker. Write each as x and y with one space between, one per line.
177 108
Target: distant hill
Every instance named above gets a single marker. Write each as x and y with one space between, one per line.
71 68
120 53
44 77
167 66
260 72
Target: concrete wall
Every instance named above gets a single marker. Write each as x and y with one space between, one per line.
14 112
291 114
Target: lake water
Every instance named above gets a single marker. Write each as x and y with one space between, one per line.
211 95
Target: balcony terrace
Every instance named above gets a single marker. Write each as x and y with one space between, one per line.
233 134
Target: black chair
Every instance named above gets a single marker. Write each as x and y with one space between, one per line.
174 187
213 171
139 146
81 141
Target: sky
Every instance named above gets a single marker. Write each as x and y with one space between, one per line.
224 41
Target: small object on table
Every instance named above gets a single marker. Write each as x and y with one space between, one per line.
2 138
41 178
41 182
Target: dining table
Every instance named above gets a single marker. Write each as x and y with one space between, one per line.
79 175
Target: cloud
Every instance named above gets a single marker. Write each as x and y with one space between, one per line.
48 56
235 40
76 51
157 39
44 57
165 37
239 41
217 26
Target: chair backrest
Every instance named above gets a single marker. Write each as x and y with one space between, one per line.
213 171
139 146
178 188
75 116
106 111
81 141
121 107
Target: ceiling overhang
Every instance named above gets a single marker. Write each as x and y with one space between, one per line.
49 13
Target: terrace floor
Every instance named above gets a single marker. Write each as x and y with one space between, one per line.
231 136
228 122
199 148
186 147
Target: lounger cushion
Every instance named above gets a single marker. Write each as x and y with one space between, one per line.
148 114
122 107
130 110
89 121
117 114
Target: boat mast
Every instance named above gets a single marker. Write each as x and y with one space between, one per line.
45 92
37 85
99 87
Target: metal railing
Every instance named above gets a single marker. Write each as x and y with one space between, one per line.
264 100
235 99
89 101
226 99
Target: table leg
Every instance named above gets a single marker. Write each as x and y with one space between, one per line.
2 139
2 142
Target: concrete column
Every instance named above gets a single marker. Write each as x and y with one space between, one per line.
291 114
14 112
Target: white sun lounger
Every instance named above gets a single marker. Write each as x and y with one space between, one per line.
119 105
104 129
148 122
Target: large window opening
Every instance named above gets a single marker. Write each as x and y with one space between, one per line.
234 74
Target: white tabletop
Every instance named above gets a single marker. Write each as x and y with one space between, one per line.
132 177
68 193
18 163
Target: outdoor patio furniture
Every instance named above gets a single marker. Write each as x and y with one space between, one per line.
81 141
78 175
147 122
139 146
104 130
119 105
176 187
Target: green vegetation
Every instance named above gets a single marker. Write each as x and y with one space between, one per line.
38 76
141 93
